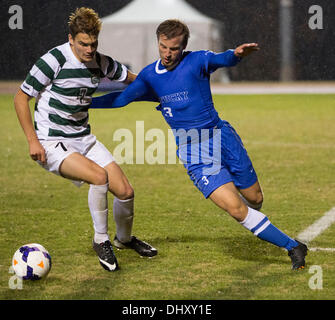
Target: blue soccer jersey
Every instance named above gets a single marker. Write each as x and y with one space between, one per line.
186 104
184 92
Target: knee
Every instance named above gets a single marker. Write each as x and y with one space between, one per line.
128 193
259 198
124 192
256 201
100 177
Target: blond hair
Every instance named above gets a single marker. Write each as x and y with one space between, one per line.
84 20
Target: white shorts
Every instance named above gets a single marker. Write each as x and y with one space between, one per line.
58 150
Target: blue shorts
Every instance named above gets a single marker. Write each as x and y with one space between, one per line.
214 157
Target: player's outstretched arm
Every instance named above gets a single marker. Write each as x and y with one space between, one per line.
222 59
245 49
136 91
230 57
105 101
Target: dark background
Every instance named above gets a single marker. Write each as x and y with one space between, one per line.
45 26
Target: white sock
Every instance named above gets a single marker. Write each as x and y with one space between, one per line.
98 204
253 219
123 211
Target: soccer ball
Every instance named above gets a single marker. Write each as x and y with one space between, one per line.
31 262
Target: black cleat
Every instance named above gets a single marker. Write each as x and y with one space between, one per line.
142 248
297 255
106 255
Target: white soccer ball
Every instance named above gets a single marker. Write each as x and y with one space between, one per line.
31 262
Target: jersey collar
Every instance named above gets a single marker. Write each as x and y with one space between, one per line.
157 69
160 69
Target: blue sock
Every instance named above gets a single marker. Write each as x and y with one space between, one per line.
261 227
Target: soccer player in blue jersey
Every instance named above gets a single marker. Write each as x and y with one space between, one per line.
210 148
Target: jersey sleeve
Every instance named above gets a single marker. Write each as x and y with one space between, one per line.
43 72
111 68
212 61
136 91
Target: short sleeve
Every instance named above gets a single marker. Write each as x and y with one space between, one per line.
113 69
43 72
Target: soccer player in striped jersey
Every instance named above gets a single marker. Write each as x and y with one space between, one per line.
210 148
62 82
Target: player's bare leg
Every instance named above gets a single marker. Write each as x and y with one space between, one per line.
227 197
253 196
78 167
118 183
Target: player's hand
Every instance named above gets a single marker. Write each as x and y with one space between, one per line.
245 49
37 151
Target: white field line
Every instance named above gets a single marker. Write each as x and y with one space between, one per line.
272 89
322 249
290 144
317 228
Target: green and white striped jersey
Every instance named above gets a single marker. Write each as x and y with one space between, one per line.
63 88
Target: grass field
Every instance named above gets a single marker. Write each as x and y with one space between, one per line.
203 253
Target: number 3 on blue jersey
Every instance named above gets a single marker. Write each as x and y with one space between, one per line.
168 112
205 180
